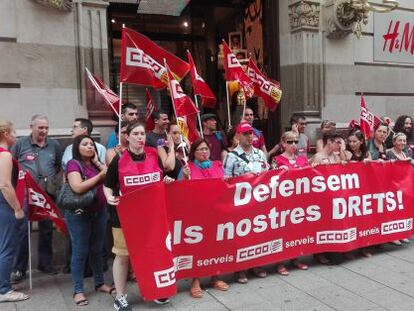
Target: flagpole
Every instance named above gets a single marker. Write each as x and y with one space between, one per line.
228 103
175 113
244 102
198 115
119 115
30 254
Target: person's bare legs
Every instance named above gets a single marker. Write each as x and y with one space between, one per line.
120 273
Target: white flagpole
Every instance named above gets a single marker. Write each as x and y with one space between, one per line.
198 116
175 113
228 103
119 115
30 254
244 102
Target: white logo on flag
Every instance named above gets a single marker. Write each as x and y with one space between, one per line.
39 200
232 61
368 117
259 250
183 262
137 58
165 277
396 226
177 91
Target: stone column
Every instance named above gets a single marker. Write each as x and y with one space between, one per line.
301 60
91 37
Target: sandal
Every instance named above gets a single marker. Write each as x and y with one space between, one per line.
81 302
300 265
220 285
13 296
366 253
259 272
281 269
196 292
108 289
241 277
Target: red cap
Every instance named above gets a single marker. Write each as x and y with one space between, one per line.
244 127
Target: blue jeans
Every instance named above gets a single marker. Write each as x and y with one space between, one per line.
8 231
87 235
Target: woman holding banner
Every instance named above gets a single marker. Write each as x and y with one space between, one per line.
356 148
357 151
331 143
137 159
290 160
376 145
10 211
201 167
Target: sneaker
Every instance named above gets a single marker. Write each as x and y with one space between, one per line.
121 304
162 301
17 276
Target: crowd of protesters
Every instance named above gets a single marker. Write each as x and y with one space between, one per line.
168 156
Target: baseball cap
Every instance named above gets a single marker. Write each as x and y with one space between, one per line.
207 116
244 127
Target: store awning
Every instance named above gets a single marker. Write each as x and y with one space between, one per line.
161 7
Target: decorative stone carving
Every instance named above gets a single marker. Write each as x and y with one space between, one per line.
347 16
304 15
64 5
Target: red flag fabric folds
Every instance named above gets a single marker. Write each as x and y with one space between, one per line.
200 87
264 87
41 206
234 71
368 120
183 104
105 93
151 107
142 61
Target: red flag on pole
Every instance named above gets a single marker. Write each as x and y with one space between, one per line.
142 61
234 71
200 86
264 87
105 93
41 206
368 120
151 107
183 104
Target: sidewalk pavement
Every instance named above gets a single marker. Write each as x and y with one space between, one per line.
382 282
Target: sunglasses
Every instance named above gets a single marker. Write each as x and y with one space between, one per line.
290 142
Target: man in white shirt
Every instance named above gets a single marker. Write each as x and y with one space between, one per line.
82 126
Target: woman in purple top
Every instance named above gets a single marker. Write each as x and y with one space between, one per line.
87 227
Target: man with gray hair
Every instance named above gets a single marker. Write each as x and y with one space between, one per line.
41 157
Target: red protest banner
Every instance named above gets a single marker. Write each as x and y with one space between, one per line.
41 206
249 221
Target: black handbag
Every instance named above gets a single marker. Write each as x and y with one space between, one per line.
74 202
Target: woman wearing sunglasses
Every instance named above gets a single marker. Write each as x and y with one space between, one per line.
289 160
201 167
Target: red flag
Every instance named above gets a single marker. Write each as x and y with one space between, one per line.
264 87
41 206
234 71
151 107
368 120
183 104
142 61
156 270
106 94
200 87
